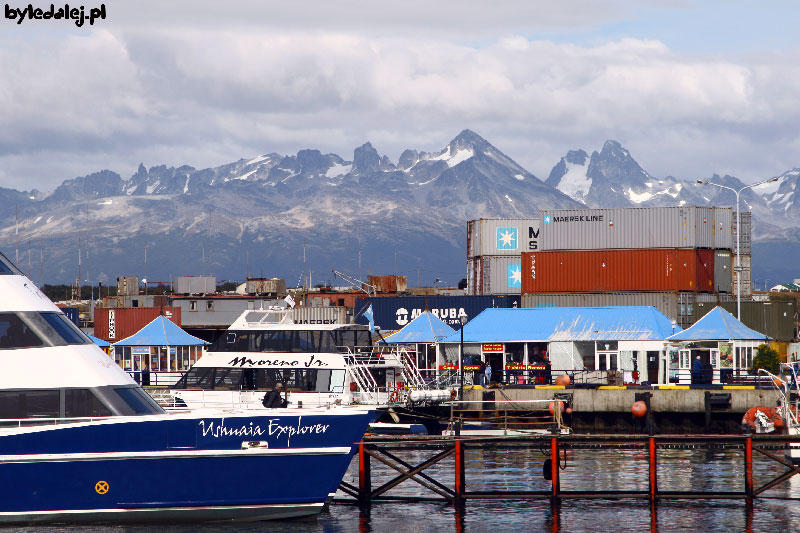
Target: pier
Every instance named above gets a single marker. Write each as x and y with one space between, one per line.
453 483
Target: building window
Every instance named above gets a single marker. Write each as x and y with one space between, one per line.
193 305
210 305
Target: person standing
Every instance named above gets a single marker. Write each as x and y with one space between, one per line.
273 398
488 373
697 371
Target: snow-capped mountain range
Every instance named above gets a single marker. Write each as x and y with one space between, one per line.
296 216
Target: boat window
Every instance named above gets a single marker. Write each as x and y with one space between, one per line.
7 267
30 404
227 378
16 333
83 403
197 378
68 331
138 401
337 381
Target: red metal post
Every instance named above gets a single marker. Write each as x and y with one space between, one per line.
653 470
364 481
748 469
554 467
460 475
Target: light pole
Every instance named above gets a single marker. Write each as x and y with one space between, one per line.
463 320
737 269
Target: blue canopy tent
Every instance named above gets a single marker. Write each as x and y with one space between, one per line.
424 332
161 347
100 342
716 349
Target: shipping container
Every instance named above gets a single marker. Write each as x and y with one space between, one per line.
628 228
72 313
195 285
774 319
654 270
393 312
115 324
319 315
723 228
265 286
746 234
723 271
502 236
127 285
745 270
388 283
494 274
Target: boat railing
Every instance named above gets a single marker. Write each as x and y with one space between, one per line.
45 421
787 386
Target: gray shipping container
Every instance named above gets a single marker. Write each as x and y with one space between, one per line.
623 228
319 315
493 274
774 319
746 235
723 271
678 306
502 236
195 285
746 272
723 228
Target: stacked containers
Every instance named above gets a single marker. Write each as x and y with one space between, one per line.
745 258
494 249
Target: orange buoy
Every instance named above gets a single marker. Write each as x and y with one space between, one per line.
563 379
568 410
553 406
639 409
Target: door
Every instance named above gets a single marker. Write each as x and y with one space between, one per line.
652 367
684 370
496 361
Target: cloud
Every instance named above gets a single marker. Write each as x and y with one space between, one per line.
175 88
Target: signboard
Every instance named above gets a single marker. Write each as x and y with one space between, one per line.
492 347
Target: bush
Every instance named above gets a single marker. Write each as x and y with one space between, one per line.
765 358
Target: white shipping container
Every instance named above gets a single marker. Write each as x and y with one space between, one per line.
723 270
745 236
723 228
319 315
624 228
195 285
746 265
502 236
494 275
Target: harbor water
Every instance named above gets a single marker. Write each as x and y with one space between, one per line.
494 469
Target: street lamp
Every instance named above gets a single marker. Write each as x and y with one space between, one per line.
463 320
738 267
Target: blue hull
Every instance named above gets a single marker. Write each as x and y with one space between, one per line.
176 468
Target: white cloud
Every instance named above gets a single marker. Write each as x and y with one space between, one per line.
183 87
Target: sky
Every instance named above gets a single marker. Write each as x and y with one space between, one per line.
690 88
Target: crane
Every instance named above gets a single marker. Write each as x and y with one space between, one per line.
370 290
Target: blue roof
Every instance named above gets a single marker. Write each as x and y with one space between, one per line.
99 342
161 332
718 325
548 324
427 327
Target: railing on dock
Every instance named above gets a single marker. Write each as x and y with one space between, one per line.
554 450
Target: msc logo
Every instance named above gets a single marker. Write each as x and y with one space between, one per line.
507 238
402 316
514 276
547 219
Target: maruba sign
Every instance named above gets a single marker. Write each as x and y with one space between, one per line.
449 316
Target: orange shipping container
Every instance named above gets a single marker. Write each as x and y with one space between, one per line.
114 324
652 269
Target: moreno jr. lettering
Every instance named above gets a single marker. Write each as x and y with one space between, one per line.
76 14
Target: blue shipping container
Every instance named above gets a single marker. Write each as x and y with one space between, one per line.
392 313
72 314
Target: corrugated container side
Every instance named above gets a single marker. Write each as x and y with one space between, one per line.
581 271
746 273
127 285
501 274
502 236
319 315
195 285
745 235
774 319
627 228
723 271
394 312
474 276
265 286
723 228
666 302
388 283
115 324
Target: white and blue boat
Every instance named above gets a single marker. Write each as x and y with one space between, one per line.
80 441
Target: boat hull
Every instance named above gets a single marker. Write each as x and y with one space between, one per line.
176 468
